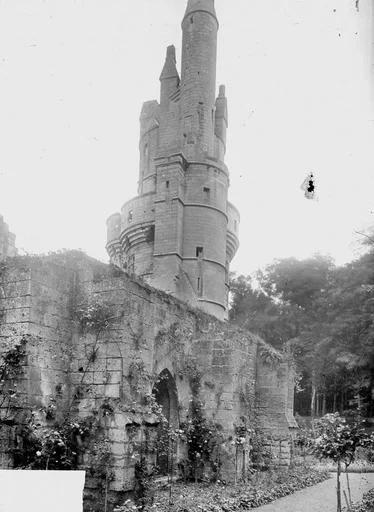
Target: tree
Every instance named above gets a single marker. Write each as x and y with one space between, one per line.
325 313
338 441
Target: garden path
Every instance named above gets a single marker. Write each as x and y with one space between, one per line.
322 497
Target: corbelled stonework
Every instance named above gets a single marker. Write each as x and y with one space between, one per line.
180 233
97 345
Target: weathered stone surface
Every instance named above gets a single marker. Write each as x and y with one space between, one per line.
168 336
7 241
180 233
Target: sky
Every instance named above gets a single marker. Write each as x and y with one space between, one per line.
299 81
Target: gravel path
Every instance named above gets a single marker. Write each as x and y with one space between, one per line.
321 497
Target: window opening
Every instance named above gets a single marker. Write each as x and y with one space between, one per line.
130 216
200 286
167 184
150 236
199 252
131 264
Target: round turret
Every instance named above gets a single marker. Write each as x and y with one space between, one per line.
198 80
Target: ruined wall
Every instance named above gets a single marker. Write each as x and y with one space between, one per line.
149 333
274 403
7 241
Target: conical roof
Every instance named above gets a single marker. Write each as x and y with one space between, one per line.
170 68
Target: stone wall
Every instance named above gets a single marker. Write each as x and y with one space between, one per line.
7 241
149 334
183 180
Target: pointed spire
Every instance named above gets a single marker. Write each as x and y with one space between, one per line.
202 6
170 68
222 91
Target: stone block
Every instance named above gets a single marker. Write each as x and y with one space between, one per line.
117 435
113 363
112 391
118 449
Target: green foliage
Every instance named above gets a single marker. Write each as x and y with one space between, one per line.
269 355
203 439
324 314
367 503
144 485
94 316
261 453
261 489
338 440
296 282
11 361
55 448
139 377
100 463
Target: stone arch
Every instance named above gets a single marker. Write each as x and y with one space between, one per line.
166 395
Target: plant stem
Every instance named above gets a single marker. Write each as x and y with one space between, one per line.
348 486
338 493
106 491
346 500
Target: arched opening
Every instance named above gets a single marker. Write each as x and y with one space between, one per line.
165 393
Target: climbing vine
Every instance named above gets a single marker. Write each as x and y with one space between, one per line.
11 361
203 437
58 447
269 355
138 376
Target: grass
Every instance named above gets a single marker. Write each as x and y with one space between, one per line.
360 466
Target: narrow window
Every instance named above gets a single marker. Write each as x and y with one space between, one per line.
167 184
191 20
206 191
146 151
129 216
199 252
150 236
131 265
199 286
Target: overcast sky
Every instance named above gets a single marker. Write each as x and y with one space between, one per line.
298 75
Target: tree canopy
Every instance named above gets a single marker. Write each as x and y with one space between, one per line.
325 314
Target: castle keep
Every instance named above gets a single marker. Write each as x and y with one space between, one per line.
180 233
94 359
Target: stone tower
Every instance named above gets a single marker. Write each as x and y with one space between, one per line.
180 233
